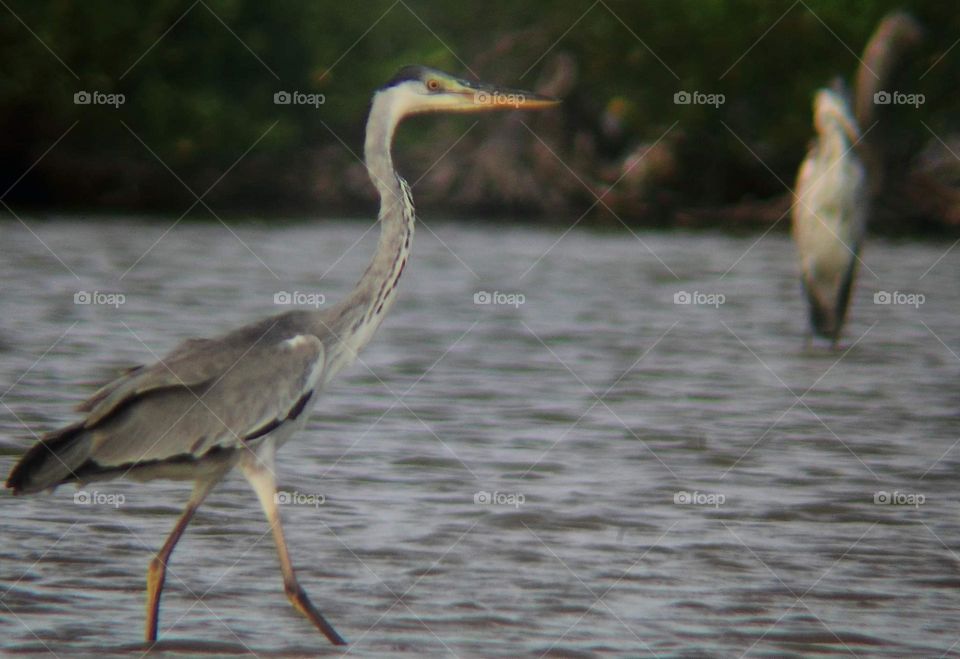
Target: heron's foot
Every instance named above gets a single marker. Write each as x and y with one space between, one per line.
298 598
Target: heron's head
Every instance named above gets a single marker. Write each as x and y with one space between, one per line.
418 89
831 112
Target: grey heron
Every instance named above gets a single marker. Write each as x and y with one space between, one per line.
830 214
213 404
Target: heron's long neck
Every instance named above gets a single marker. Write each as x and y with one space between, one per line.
359 316
834 143
396 210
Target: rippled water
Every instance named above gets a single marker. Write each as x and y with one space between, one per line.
586 413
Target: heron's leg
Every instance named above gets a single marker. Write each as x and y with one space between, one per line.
258 470
157 571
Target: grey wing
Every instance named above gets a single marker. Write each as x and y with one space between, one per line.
208 393
192 363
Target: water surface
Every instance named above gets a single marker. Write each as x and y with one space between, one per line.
589 414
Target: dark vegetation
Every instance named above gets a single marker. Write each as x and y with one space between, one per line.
199 82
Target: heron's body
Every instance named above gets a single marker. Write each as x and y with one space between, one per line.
213 404
830 214
211 400
197 407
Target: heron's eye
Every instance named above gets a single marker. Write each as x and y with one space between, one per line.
433 84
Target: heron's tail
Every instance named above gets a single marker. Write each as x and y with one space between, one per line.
826 319
51 461
823 317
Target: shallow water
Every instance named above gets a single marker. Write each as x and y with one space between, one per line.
588 410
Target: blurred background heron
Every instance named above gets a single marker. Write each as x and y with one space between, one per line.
213 404
830 214
842 176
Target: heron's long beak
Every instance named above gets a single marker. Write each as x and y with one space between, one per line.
478 97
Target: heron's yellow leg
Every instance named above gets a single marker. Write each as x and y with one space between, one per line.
259 472
157 570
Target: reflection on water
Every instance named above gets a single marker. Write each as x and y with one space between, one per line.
595 470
